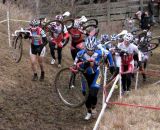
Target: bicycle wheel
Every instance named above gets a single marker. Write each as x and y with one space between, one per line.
90 22
69 23
70 87
151 45
90 28
17 49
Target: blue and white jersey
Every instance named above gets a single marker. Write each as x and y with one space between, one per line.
96 58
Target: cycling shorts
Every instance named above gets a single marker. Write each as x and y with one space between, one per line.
38 49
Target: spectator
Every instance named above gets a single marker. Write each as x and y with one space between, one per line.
145 22
151 10
138 14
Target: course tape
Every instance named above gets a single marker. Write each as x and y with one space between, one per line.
15 20
19 20
134 105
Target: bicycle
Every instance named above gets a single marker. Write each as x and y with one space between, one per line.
145 42
71 86
17 46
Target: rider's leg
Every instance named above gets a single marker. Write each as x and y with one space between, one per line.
33 66
128 79
33 62
74 53
88 103
52 50
95 88
59 52
33 55
144 66
130 69
41 62
123 69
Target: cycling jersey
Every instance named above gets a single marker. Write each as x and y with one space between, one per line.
77 37
58 37
128 58
130 49
37 35
96 58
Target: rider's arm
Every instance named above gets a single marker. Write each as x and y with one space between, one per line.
109 57
138 52
44 38
79 56
66 36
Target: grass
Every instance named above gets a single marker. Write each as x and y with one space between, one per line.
131 118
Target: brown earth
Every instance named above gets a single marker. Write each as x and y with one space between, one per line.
27 105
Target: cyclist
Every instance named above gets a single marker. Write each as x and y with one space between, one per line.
105 42
77 36
127 61
58 40
38 48
43 21
91 59
104 45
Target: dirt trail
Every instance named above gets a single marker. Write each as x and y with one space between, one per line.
27 105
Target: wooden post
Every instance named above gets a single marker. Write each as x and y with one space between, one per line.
141 4
108 11
158 13
37 8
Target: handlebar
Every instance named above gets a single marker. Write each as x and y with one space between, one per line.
77 67
21 31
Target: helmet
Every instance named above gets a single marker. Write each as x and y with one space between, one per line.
77 23
128 37
35 22
59 17
113 37
54 27
90 43
105 37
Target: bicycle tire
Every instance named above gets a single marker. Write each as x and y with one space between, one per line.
69 95
17 49
71 23
151 45
89 28
90 22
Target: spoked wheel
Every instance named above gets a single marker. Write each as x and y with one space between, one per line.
91 28
17 49
90 22
69 23
72 88
54 26
151 45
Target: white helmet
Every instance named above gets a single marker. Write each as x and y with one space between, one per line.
90 43
128 37
59 17
67 13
